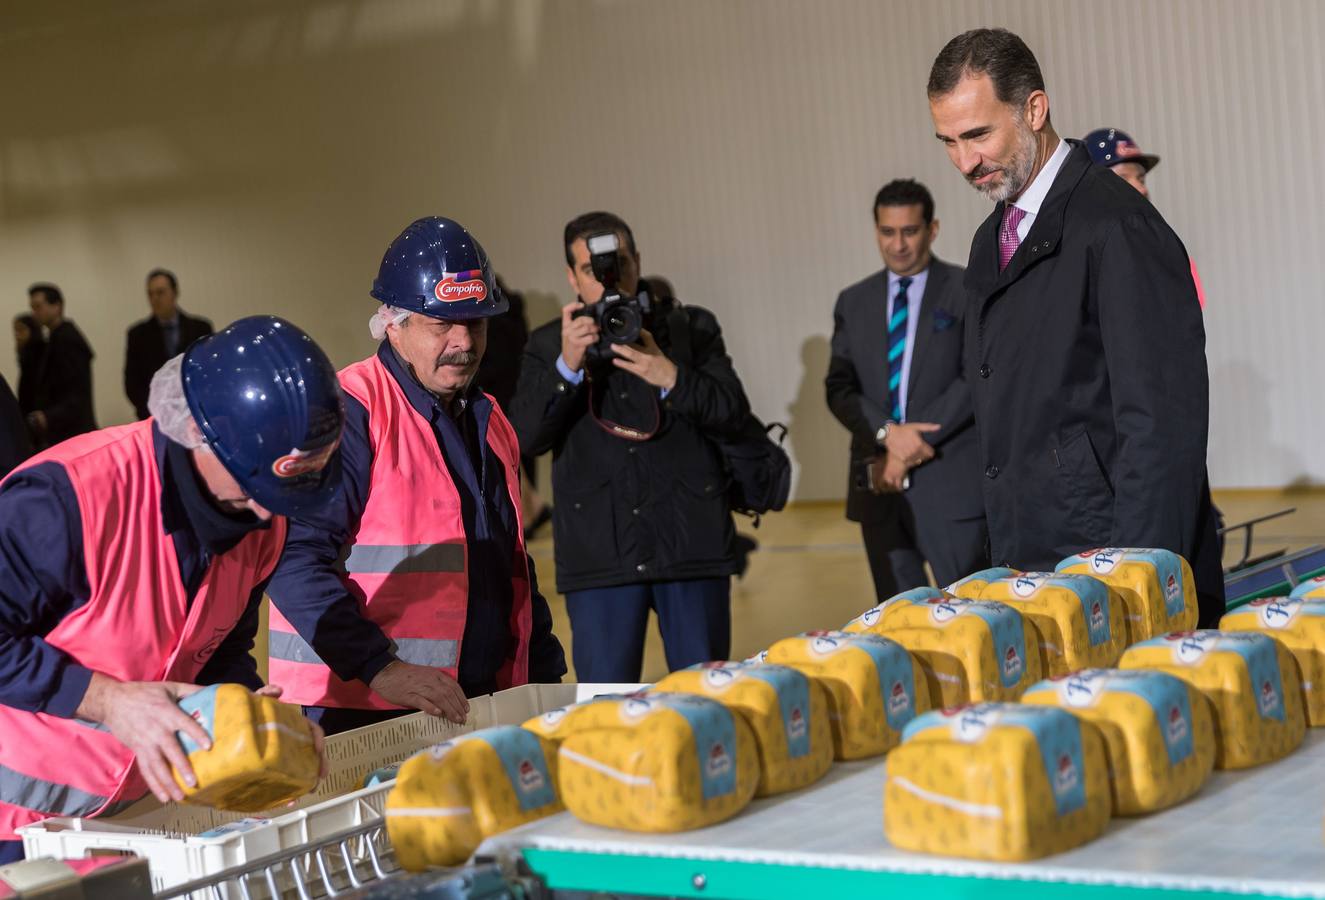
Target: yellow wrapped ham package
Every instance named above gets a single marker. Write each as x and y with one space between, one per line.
1079 620
656 762
262 753
451 797
874 687
1251 681
870 618
1297 622
786 710
1311 589
972 586
1157 729
1156 587
970 651
999 781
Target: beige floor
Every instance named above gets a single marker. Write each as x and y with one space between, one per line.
810 570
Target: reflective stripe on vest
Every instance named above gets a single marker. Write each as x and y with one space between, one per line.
417 651
137 625
407 564
402 559
18 789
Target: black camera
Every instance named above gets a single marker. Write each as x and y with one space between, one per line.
619 316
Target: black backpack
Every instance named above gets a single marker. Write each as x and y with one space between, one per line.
759 468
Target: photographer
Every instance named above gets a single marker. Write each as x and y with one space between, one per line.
641 518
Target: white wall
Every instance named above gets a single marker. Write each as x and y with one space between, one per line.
268 152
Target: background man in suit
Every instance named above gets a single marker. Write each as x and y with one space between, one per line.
62 399
1084 335
166 332
895 381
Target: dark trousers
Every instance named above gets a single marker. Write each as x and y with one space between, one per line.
10 852
898 549
608 626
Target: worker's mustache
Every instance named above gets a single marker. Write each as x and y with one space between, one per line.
459 358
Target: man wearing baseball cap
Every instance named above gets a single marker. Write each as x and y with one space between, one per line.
1117 152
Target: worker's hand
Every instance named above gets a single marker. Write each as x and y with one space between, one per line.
144 716
37 421
577 334
273 691
421 687
647 361
904 441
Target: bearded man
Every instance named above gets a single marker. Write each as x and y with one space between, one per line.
1085 350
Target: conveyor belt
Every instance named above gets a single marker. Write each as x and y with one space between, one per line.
1256 832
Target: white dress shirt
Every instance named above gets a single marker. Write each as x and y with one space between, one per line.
1032 198
914 294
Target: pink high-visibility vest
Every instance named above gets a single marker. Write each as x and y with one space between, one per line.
137 625
408 562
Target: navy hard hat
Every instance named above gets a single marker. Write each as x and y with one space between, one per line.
268 403
437 268
1109 147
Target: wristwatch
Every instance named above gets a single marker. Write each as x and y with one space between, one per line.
882 434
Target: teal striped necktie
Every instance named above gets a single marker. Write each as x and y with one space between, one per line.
897 348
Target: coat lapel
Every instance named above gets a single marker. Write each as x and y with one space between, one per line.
1040 242
935 285
874 321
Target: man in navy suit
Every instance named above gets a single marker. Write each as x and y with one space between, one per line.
895 381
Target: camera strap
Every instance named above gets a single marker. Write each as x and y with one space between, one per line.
616 429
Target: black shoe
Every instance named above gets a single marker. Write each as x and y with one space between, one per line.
539 521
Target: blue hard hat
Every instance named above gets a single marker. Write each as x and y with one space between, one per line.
437 268
1109 147
268 403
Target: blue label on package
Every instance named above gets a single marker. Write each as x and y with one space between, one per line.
1259 655
793 690
1166 695
1057 735
1005 624
1091 593
897 684
715 739
1166 563
521 756
201 707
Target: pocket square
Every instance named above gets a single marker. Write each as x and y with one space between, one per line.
943 320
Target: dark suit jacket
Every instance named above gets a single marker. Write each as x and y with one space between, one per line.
146 352
857 387
1087 362
64 385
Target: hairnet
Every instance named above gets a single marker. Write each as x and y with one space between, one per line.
169 407
386 315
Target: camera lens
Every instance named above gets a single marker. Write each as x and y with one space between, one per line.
621 323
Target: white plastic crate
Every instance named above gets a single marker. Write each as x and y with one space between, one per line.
173 838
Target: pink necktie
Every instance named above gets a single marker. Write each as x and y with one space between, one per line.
1007 235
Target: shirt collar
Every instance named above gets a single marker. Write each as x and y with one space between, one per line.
424 401
917 280
1032 198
